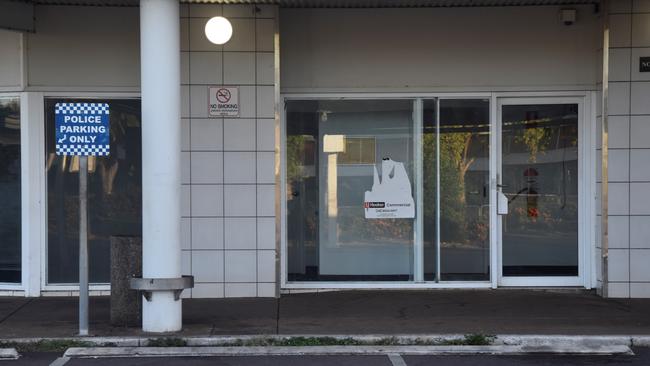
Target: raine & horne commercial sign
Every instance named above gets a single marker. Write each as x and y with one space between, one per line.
82 129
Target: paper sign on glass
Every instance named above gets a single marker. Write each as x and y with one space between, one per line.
390 197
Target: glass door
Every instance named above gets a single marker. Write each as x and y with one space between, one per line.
538 191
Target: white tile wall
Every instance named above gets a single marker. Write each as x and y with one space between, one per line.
619 132
239 134
206 135
207 233
207 200
640 198
265 134
639 97
639 268
266 233
619 66
243 35
620 30
619 268
640 232
239 167
641 30
619 165
640 290
241 67
206 265
629 132
207 167
240 200
205 67
619 232
619 98
240 233
620 289
227 243
639 170
241 290
640 132
241 265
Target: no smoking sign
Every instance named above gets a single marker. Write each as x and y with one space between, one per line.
223 101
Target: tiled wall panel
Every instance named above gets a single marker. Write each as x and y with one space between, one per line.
629 150
228 222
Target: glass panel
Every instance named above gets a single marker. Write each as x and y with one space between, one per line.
114 195
540 178
464 190
343 156
10 224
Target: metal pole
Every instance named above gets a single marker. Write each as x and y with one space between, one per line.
83 245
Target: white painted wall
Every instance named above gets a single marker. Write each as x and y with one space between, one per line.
441 49
10 70
84 46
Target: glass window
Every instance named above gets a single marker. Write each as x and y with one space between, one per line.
348 157
540 179
350 208
10 222
114 195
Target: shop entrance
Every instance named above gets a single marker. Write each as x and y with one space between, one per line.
440 191
538 179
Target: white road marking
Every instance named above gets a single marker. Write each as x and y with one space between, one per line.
396 359
60 361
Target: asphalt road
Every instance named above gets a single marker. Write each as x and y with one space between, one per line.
641 358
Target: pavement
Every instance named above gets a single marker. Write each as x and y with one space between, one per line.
503 311
640 358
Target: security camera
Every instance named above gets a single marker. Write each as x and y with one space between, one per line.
568 16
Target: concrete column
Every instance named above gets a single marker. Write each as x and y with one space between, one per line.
161 159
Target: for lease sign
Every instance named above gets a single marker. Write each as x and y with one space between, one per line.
223 101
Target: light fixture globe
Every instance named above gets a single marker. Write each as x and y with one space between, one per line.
218 30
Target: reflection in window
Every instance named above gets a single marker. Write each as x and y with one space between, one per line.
114 195
333 149
540 178
358 150
463 162
10 224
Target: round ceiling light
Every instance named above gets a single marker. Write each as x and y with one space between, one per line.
218 30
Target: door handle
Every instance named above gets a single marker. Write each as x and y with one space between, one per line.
502 203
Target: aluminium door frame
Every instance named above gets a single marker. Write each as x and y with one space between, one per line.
586 153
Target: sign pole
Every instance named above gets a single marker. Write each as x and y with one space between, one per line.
83 245
82 129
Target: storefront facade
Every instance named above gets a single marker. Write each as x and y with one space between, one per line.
431 146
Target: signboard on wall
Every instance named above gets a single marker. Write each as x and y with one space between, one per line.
82 129
223 101
644 64
390 197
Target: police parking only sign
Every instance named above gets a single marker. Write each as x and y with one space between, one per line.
82 129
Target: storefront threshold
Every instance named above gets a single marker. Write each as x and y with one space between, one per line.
302 287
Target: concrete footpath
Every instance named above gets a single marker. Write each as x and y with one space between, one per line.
518 312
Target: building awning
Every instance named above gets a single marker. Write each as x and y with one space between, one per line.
338 3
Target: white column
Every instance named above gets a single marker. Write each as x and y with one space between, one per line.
161 165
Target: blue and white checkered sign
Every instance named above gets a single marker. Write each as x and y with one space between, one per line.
82 129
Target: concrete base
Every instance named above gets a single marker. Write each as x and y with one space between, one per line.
126 263
95 352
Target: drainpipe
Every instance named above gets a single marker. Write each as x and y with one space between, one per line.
604 196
